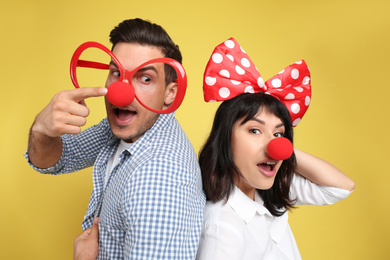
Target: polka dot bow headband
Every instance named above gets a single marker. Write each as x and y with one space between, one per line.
230 73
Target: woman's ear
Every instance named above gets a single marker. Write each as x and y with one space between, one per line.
170 94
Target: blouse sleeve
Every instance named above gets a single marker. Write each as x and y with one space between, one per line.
306 192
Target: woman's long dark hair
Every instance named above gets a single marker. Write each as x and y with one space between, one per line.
216 157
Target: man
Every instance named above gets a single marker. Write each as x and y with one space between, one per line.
146 180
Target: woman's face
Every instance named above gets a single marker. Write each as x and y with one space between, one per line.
249 147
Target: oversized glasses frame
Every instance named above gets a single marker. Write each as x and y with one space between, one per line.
121 93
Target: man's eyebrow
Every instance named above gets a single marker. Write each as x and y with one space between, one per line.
150 67
263 123
113 63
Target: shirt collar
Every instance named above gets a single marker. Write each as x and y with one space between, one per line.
245 207
152 133
161 122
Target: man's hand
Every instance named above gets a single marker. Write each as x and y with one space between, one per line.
86 244
66 113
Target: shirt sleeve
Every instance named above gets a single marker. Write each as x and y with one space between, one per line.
306 192
79 151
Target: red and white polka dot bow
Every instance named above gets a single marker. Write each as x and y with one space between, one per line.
230 72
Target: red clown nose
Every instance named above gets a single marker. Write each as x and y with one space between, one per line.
280 148
120 94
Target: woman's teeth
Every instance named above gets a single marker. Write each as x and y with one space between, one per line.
270 164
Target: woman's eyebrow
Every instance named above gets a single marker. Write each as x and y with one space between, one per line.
258 120
263 123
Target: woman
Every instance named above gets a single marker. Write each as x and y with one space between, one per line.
248 185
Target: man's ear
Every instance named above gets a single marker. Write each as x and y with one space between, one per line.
170 93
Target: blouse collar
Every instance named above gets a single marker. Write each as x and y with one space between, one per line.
245 207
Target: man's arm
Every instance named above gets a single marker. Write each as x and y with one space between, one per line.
65 114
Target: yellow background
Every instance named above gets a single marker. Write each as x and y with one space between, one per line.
345 43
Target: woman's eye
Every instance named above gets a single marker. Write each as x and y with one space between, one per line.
255 131
278 134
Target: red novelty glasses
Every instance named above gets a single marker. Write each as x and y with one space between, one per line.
142 83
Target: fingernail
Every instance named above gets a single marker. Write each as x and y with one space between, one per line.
103 91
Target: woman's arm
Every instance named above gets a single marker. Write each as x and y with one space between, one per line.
321 172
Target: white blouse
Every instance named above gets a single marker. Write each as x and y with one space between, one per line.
244 229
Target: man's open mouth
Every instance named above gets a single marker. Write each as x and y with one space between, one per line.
123 114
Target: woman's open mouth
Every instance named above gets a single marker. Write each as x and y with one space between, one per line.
267 168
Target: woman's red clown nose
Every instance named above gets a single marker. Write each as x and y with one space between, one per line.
280 148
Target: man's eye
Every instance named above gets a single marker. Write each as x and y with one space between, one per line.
255 131
145 79
116 73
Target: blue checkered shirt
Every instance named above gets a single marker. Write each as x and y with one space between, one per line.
152 206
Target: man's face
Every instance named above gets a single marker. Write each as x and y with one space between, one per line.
131 122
